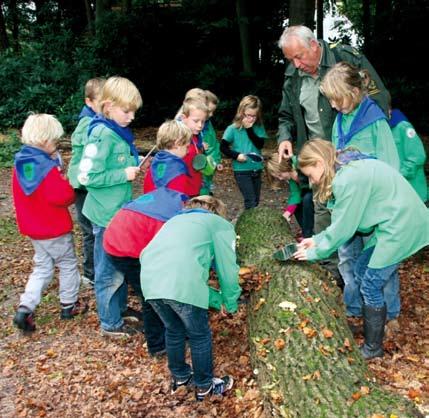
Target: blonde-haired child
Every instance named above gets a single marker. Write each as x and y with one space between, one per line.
180 294
108 166
168 169
41 197
300 199
362 125
367 194
211 144
242 141
79 138
194 114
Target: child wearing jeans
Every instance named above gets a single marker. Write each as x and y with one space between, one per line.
41 197
365 194
243 140
300 199
108 166
174 280
78 140
361 125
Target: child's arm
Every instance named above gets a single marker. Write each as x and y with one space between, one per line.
385 147
293 201
257 141
57 190
94 169
226 266
414 152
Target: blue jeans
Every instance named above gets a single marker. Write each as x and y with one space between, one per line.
110 287
87 234
348 255
154 330
305 214
249 183
182 320
372 282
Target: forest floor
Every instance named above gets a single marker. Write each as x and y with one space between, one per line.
67 369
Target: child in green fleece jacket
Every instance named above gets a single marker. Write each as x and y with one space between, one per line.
174 279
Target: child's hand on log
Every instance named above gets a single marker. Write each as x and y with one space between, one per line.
306 243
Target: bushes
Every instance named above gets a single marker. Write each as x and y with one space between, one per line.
8 147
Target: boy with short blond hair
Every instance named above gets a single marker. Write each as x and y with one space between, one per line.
168 168
41 197
78 140
108 166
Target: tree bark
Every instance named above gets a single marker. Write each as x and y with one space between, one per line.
89 17
319 19
303 353
243 25
301 12
4 41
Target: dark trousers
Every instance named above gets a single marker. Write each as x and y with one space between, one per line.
304 214
87 235
153 326
249 183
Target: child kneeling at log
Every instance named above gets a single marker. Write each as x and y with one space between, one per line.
365 195
300 199
174 280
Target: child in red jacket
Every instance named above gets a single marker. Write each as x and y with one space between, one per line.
41 197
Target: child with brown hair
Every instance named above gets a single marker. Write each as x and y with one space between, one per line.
242 141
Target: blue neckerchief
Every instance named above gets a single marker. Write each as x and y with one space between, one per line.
348 155
32 166
86 112
161 204
368 113
199 143
125 133
205 128
396 117
166 167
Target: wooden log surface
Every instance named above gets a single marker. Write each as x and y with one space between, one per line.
304 355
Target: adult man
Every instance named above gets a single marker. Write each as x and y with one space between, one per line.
305 113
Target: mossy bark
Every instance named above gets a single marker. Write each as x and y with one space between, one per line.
303 353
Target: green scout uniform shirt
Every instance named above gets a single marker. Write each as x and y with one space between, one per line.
292 124
176 263
78 140
213 144
412 157
370 195
240 142
102 172
376 139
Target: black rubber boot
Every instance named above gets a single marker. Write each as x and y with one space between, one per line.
373 330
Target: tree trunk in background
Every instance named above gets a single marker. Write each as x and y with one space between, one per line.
319 18
101 7
40 12
243 25
305 358
366 25
4 41
89 17
126 6
301 12
13 13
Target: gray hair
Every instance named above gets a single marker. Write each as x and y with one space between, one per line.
302 32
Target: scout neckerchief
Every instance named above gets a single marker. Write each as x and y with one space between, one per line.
368 113
348 155
396 117
86 112
32 166
125 133
161 204
166 167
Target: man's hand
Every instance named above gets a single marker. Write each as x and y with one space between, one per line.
285 150
241 158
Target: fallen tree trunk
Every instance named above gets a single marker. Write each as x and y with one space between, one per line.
303 353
